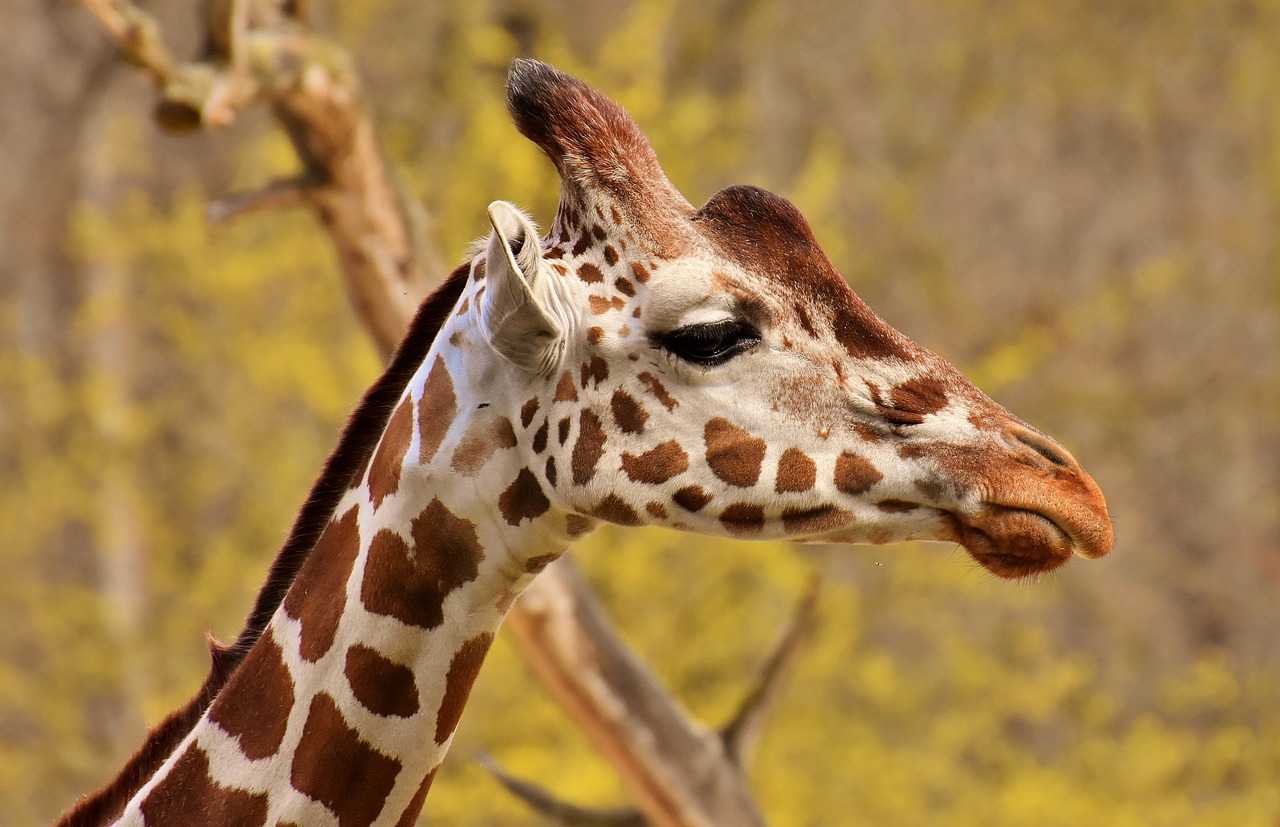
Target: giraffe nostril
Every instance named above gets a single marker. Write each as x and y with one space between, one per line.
1026 439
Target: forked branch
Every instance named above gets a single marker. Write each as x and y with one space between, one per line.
137 35
741 734
643 714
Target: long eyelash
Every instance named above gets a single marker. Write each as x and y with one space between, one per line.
710 332
728 337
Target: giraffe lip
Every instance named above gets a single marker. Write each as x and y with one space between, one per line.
1014 542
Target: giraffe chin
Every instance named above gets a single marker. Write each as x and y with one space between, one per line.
1013 543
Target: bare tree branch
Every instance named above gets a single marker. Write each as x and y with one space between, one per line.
287 192
742 733
137 35
677 773
257 52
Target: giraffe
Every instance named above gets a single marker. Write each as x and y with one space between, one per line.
645 363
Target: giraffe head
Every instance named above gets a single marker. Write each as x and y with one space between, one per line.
708 369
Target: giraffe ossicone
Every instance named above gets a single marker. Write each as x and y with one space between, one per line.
646 362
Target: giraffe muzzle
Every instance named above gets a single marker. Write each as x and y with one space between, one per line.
1041 509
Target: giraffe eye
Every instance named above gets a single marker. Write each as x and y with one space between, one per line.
710 343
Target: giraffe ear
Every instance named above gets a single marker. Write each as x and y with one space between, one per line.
520 311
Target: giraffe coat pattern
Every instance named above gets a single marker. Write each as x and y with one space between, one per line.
644 362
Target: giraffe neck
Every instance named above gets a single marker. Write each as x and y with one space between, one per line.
347 703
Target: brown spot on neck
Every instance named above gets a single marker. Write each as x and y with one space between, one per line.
691 498
483 438
317 597
743 519
436 410
457 683
565 391
189 788
254 707
540 437
601 305
594 370
578 525
527 411
590 273
616 510
384 472
336 767
535 565
802 521
412 586
866 433
523 499
380 685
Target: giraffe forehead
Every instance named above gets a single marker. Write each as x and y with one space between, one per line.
684 292
770 243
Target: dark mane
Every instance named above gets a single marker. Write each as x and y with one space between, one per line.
359 438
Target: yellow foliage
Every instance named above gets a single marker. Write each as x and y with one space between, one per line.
146 487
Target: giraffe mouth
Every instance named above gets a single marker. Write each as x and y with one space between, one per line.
1013 542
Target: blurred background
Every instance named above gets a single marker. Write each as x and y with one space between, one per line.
1076 202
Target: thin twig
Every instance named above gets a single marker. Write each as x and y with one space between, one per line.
742 732
286 192
137 34
543 802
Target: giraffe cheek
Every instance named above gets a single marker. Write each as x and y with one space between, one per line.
797 472
733 455
809 521
854 474
614 509
657 465
588 448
